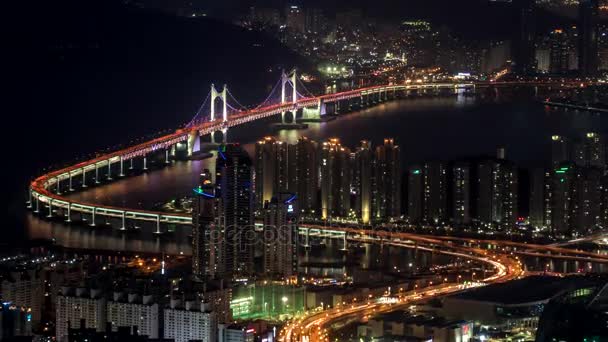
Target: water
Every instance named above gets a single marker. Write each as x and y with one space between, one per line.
425 129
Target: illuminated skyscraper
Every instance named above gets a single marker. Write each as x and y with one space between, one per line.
315 20
435 192
560 49
562 181
362 181
307 175
235 213
387 202
296 19
415 184
539 197
523 41
281 236
204 251
497 191
559 150
588 37
586 200
461 194
335 179
273 169
591 151
603 220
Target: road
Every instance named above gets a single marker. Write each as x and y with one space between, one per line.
314 326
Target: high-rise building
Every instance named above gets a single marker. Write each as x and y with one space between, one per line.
315 20
591 151
349 19
79 305
281 236
132 310
523 41
603 220
235 333
189 321
296 19
335 174
560 49
24 289
307 175
543 60
363 182
586 200
15 321
235 214
559 150
539 193
497 193
560 205
461 193
206 251
387 202
273 169
435 192
415 185
265 16
588 37
217 296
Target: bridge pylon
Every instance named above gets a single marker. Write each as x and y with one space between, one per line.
290 78
222 95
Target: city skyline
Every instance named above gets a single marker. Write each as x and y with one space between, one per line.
306 171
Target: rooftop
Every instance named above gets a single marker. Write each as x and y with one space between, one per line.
526 290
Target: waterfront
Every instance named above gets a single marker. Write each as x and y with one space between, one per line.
523 127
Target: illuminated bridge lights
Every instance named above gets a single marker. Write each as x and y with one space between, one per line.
40 189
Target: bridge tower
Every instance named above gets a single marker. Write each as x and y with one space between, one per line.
292 79
223 96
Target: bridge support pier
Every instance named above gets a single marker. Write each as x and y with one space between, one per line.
109 170
69 213
50 208
131 166
145 163
37 210
344 243
29 202
58 190
70 182
96 173
92 224
307 239
167 156
158 232
84 178
123 227
122 168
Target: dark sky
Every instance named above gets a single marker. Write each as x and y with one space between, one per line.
468 18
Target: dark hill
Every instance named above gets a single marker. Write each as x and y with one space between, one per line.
86 75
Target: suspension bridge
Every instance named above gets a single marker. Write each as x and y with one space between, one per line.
218 112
